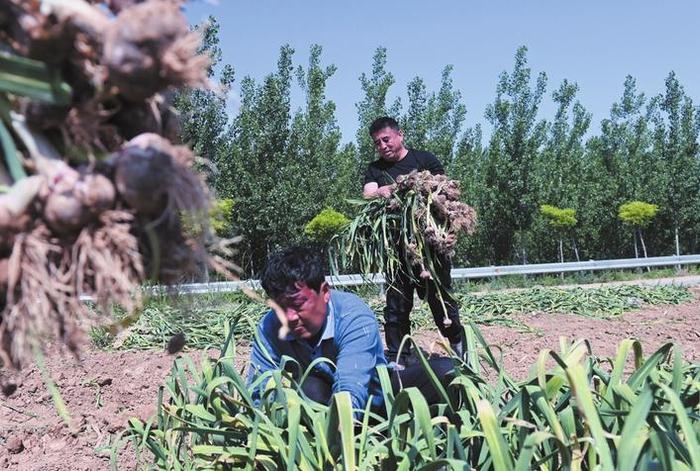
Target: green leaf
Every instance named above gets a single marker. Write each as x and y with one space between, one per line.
498 450
690 433
200 412
33 79
342 404
634 433
411 400
12 157
584 399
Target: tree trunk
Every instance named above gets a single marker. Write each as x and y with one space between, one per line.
561 254
636 250
573 242
678 249
644 248
561 250
524 249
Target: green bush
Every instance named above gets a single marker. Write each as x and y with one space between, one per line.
560 218
637 213
325 225
220 216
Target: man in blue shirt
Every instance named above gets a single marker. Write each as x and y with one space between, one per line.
329 324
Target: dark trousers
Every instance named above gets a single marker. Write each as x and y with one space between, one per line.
415 376
399 303
319 389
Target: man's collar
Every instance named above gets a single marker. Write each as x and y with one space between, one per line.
329 329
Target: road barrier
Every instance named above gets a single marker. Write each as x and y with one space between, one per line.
457 273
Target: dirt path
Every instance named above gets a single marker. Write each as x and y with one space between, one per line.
104 389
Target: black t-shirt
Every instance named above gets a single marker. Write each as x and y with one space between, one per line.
385 173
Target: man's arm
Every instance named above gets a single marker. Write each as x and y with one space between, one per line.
263 357
371 188
359 348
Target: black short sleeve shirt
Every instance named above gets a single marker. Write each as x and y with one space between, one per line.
385 173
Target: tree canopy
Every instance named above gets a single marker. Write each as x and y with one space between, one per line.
283 166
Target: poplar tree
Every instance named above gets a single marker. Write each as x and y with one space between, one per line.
624 168
256 151
204 115
373 105
434 121
675 143
467 166
507 202
307 178
561 171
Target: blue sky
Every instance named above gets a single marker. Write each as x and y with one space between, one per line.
594 43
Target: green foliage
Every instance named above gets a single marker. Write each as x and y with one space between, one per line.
584 412
467 167
623 168
559 218
252 168
33 79
204 115
100 338
507 201
406 233
283 166
433 121
325 225
280 167
502 308
219 219
637 213
560 173
591 302
203 318
220 216
675 124
368 243
373 105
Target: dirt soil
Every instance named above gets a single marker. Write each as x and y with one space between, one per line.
104 389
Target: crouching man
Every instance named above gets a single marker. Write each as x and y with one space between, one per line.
329 324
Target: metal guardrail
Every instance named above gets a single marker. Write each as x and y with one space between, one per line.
458 273
591 265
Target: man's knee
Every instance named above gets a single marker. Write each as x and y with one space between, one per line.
416 376
443 368
317 389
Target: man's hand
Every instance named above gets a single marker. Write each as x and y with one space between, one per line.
372 190
385 191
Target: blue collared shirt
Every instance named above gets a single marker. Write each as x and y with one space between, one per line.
350 339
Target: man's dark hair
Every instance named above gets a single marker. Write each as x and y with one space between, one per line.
383 122
287 267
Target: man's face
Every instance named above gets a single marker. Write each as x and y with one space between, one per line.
306 310
389 144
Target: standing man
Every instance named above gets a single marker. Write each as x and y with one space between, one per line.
396 159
